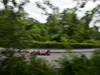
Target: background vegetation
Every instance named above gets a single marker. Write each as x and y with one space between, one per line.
62 30
18 31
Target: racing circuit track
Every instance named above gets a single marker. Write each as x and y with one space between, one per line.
57 54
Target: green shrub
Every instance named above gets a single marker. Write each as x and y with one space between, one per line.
85 45
37 44
49 44
92 41
76 66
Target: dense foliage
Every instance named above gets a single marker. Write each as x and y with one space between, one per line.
80 65
65 28
17 31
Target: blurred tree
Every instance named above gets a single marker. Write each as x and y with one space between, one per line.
13 33
77 66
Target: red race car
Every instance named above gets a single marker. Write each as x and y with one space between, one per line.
42 52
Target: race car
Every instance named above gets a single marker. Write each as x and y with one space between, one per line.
42 52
